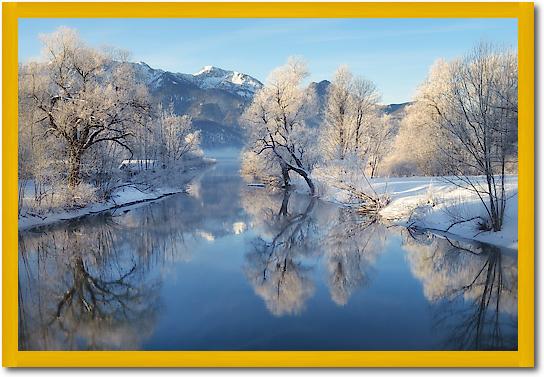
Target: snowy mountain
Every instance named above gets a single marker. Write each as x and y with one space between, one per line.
209 77
216 98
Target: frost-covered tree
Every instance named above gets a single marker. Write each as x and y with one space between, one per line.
337 130
79 101
417 146
473 105
378 139
351 130
40 155
275 122
364 98
175 136
415 149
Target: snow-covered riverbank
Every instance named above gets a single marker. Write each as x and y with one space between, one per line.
436 204
123 197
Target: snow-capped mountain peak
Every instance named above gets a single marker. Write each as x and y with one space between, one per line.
210 77
209 69
238 78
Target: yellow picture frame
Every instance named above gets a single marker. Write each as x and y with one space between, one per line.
523 357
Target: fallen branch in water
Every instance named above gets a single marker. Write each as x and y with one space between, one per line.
369 204
464 221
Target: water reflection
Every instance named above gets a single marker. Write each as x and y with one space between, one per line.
472 284
275 263
81 289
292 234
213 268
352 245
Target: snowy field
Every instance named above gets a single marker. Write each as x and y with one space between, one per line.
435 203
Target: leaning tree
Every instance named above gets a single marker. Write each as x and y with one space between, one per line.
275 122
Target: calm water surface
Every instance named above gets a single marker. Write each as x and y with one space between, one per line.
231 267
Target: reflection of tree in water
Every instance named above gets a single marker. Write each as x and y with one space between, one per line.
93 283
274 265
474 287
90 285
291 231
351 245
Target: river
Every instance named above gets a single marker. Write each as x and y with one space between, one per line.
233 267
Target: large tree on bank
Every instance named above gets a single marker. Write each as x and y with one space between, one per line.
472 105
275 122
82 97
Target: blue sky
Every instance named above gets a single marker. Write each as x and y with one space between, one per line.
394 53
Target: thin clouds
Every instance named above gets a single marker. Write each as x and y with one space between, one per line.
409 30
388 51
255 31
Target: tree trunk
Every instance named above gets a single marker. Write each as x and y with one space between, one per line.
285 203
373 169
309 183
341 144
74 165
304 175
357 139
285 175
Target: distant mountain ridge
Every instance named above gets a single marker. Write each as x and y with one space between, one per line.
209 77
395 108
216 98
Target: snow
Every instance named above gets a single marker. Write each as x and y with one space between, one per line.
205 69
237 78
142 164
435 203
209 77
125 197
